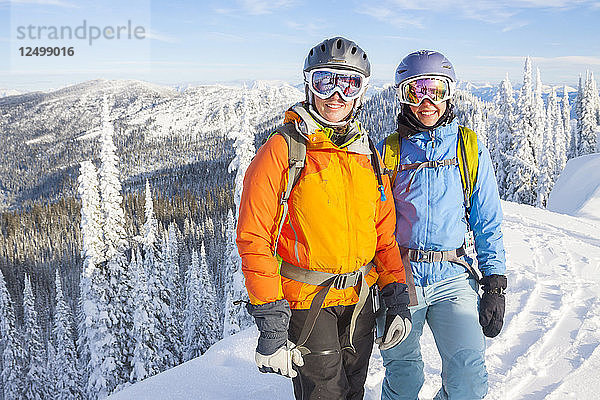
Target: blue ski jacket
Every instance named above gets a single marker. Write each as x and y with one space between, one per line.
431 216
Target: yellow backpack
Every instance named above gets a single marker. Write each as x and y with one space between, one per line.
467 160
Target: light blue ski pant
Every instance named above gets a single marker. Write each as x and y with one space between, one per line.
450 307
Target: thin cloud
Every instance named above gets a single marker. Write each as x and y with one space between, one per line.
515 25
226 36
397 37
161 37
55 3
386 14
410 12
313 28
569 60
260 7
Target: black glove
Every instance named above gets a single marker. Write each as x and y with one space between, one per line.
397 318
272 320
491 307
274 353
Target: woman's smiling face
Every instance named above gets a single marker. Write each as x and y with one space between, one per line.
428 113
334 108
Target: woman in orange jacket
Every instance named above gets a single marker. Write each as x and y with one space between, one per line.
312 248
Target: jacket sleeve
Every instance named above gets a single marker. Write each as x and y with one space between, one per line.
486 218
258 221
387 256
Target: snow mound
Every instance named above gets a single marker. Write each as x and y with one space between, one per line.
577 190
549 347
225 371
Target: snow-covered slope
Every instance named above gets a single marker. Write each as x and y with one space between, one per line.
9 92
549 348
577 190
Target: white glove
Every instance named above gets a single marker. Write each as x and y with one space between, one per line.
396 330
280 362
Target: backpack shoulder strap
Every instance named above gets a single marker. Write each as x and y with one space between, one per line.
296 153
377 169
391 155
468 161
296 157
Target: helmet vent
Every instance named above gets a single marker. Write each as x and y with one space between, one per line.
312 51
364 56
323 48
339 43
353 51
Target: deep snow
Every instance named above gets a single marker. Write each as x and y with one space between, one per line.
548 349
577 190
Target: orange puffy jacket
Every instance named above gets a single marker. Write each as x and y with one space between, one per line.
336 221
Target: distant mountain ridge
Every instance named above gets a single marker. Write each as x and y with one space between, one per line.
46 135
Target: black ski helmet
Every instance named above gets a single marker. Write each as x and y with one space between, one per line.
339 53
336 53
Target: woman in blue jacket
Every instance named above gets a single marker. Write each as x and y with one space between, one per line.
435 230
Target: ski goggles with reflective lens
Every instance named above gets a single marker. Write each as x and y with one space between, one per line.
436 89
325 82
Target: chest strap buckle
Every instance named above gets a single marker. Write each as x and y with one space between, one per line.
347 280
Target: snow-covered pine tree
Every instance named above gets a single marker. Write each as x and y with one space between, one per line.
192 315
521 179
471 112
207 233
236 317
93 253
575 135
548 156
480 120
97 340
67 385
210 328
566 118
150 223
155 275
11 351
91 215
539 119
110 190
596 98
113 227
53 374
505 129
587 123
162 300
35 378
176 288
201 328
559 137
145 362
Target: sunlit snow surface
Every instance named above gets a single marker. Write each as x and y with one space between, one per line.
577 190
548 349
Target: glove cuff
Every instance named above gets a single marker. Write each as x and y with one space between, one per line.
395 296
270 342
494 284
272 320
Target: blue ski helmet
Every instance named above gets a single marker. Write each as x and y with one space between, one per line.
424 62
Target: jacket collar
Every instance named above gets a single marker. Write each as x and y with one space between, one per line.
319 136
442 132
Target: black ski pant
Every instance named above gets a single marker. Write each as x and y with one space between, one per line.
332 370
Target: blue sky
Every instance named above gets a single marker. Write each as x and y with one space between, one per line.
216 41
